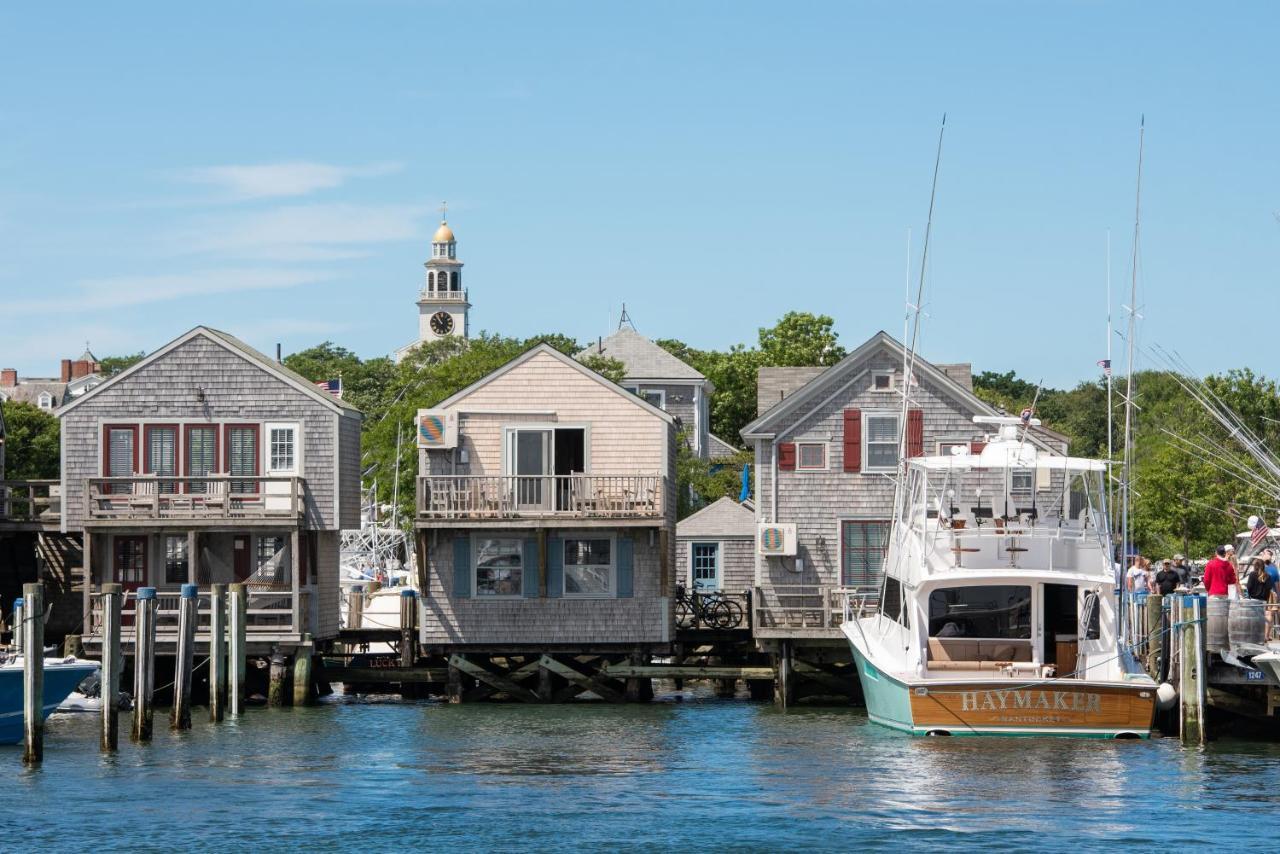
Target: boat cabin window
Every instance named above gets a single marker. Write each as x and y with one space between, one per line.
994 611
891 599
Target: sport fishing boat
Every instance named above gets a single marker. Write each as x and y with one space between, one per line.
998 613
61 676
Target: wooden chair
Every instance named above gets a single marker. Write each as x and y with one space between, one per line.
215 495
144 495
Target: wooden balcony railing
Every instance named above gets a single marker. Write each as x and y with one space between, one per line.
269 612
30 500
208 497
810 606
520 496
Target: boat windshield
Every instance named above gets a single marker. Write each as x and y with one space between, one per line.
981 611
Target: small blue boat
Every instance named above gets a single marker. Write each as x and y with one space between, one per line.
61 676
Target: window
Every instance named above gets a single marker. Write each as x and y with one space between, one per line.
588 567
499 567
882 381
705 565
811 456
176 560
880 436
1022 481
995 611
654 396
863 544
431 281
202 454
46 400
891 598
282 439
242 456
270 562
162 454
946 446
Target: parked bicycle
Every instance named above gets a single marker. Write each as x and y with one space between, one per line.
711 609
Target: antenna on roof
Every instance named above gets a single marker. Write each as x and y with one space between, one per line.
625 319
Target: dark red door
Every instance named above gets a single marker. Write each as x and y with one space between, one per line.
129 563
242 563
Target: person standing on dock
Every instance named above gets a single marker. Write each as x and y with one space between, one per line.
1184 571
1138 577
1219 575
1258 583
1167 579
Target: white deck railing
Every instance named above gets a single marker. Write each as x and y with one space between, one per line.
520 496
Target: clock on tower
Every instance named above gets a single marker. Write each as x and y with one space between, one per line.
442 304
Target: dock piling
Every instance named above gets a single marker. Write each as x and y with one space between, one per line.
19 608
408 626
236 613
1191 677
180 713
144 663
33 674
784 682
302 673
217 652
111 666
1155 641
278 674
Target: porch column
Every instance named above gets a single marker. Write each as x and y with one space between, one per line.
294 545
193 557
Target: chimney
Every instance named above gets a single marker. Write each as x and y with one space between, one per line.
279 360
66 370
81 368
8 378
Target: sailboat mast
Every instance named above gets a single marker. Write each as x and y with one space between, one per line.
1129 338
1111 454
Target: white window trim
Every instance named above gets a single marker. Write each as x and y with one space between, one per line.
45 400
613 565
475 568
640 392
719 544
966 441
892 385
826 455
267 427
508 463
866 435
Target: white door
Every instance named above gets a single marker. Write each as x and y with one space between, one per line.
529 462
281 453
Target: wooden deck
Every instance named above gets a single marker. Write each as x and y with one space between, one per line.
30 505
470 498
209 500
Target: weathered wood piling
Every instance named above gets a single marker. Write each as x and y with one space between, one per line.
33 674
217 651
111 666
277 676
144 663
236 615
1191 687
180 712
302 673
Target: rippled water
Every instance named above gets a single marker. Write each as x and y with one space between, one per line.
702 775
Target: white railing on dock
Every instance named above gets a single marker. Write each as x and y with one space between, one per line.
213 496
517 496
268 612
810 606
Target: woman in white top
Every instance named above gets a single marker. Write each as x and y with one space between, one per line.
1138 578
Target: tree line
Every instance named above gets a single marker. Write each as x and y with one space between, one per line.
1184 500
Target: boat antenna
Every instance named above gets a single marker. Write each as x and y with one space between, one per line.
1132 309
1106 373
909 357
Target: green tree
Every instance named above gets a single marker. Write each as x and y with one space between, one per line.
112 365
700 482
800 339
31 442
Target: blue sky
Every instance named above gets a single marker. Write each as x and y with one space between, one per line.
275 169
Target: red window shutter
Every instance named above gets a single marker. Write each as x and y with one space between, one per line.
853 440
787 456
915 432
976 447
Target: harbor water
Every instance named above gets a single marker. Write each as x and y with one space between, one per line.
702 774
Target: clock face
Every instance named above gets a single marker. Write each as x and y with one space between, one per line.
442 323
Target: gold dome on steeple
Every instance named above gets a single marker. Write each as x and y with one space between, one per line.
444 234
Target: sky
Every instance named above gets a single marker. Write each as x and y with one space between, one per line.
276 169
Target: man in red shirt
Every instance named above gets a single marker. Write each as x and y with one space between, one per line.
1219 575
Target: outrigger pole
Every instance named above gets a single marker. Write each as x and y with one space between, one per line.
1132 308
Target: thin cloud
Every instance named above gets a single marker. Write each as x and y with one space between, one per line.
281 180
121 291
302 232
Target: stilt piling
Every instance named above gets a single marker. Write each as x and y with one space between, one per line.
144 663
217 652
236 613
180 713
111 666
33 674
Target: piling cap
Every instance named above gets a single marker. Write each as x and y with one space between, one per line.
189 591
146 593
408 593
17 602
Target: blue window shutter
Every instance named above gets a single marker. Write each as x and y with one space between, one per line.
529 568
626 567
461 566
555 567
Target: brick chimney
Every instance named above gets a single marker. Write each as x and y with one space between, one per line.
81 368
66 370
8 378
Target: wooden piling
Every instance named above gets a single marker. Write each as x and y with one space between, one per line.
784 689
111 666
236 614
217 652
1191 681
355 608
1155 609
144 663
453 687
180 712
33 674
408 627
302 673
278 675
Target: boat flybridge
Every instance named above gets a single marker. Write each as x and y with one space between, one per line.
997 614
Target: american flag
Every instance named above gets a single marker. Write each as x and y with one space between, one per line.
334 387
1105 364
1260 531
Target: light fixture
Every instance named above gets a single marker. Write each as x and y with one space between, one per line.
200 393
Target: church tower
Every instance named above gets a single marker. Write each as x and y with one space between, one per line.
442 303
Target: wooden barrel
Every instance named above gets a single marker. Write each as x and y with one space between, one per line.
1217 617
1247 623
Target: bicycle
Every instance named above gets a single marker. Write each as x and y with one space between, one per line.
712 609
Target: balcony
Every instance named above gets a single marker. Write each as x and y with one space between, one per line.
271 615
446 499
29 504
443 296
208 499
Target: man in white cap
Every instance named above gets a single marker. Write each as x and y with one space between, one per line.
1184 571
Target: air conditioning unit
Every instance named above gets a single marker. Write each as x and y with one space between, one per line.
437 429
775 539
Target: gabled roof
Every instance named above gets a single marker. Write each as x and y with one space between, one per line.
844 370
235 345
722 518
643 359
718 448
457 397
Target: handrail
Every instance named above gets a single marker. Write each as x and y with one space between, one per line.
264 611
29 500
809 606
539 496
209 496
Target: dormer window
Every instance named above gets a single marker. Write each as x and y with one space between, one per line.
45 400
882 381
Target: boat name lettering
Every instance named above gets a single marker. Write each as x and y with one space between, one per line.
1060 701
